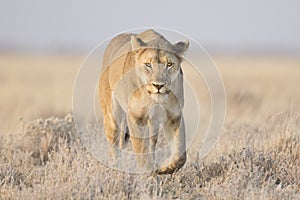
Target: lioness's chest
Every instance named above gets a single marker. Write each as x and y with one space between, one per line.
154 114
146 109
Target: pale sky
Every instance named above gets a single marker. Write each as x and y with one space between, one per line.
220 26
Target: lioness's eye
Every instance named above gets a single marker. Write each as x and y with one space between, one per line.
169 64
147 64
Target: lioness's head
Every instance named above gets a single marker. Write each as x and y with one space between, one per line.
158 63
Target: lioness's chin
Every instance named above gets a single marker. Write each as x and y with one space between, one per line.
159 97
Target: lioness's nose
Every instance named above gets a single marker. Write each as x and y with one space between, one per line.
158 85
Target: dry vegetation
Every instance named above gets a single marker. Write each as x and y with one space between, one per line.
257 156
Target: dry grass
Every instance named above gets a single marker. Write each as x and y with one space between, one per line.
257 156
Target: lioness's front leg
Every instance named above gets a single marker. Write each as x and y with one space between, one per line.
140 139
175 132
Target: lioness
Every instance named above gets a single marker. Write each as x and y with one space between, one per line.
141 90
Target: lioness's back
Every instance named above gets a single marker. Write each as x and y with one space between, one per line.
116 48
120 45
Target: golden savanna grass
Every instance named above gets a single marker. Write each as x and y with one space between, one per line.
257 155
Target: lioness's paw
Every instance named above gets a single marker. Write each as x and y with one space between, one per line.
170 167
165 170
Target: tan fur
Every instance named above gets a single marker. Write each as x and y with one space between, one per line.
141 97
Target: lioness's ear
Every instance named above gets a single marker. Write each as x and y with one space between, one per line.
136 43
181 47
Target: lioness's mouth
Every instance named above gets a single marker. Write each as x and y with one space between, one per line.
159 92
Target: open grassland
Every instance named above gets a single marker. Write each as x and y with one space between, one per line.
257 156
